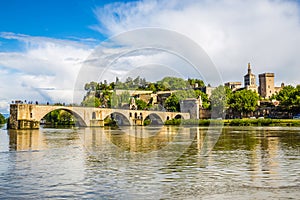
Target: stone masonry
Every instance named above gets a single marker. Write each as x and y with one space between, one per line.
28 116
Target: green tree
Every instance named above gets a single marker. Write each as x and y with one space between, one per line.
143 83
91 102
103 91
285 96
61 117
87 87
2 119
172 83
137 83
296 96
141 105
52 117
161 87
172 103
204 97
129 84
124 97
218 102
118 100
92 86
195 82
243 101
105 98
114 100
65 117
288 96
151 87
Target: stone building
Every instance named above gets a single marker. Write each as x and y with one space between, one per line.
234 85
250 80
277 89
192 106
266 85
265 89
208 90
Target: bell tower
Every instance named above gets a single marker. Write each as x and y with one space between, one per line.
250 80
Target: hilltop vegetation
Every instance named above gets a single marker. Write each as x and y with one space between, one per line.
104 94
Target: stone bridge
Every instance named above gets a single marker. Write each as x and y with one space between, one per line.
28 116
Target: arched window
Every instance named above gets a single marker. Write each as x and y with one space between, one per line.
93 115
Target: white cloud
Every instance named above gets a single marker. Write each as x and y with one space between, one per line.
233 33
4 106
45 70
150 53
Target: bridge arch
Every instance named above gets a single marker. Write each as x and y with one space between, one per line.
179 116
80 121
155 119
120 118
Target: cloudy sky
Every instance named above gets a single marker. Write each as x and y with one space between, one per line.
45 45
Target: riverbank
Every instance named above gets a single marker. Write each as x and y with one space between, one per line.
236 122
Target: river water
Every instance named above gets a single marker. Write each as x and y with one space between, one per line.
150 163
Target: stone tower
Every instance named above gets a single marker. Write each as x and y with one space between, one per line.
266 85
250 80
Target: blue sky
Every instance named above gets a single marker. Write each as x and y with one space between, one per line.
43 44
50 18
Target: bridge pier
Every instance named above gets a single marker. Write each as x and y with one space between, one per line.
24 124
21 117
28 124
138 122
96 123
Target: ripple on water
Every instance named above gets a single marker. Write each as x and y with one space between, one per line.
246 163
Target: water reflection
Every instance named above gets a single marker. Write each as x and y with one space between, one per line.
138 145
137 162
265 164
134 139
23 140
263 152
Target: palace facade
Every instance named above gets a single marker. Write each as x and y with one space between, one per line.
266 87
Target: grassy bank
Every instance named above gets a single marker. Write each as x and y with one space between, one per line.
236 122
262 122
